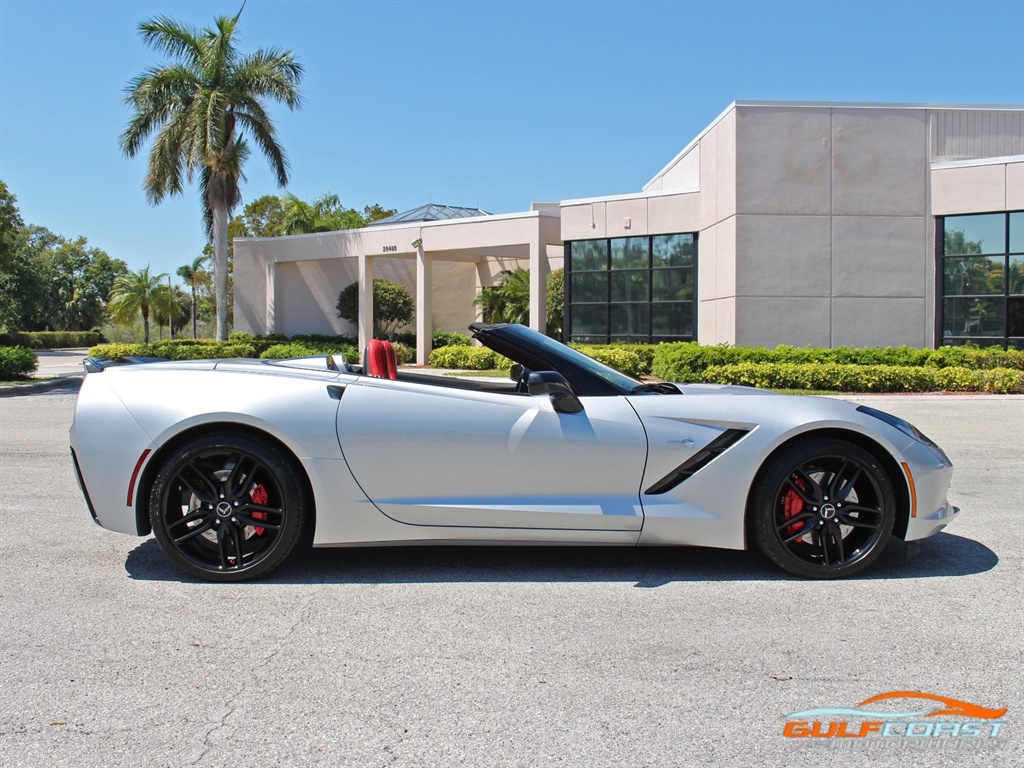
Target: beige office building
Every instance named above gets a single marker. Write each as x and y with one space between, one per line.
781 223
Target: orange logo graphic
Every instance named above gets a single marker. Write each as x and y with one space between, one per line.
834 722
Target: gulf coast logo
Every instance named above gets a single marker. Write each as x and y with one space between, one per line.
915 721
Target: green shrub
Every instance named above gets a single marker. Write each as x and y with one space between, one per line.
16 363
178 349
311 349
448 339
1004 381
51 339
997 381
621 358
826 376
686 361
464 358
321 339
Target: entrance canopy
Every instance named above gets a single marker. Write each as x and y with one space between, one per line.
290 284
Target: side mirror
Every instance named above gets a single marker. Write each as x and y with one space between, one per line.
554 385
515 372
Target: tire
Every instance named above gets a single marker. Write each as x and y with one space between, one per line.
822 509
227 507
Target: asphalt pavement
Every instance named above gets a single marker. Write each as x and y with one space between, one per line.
499 657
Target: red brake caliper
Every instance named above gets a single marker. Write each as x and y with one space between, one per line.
793 505
261 497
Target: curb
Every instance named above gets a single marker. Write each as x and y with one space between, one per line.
70 383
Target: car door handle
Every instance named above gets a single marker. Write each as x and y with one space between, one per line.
335 391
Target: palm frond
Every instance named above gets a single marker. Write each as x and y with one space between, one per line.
265 138
174 38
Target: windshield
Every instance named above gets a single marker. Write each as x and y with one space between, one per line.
609 374
555 352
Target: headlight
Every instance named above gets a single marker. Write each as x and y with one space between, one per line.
902 425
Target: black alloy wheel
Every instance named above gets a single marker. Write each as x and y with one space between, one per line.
823 509
227 507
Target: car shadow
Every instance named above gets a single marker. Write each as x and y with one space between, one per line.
646 567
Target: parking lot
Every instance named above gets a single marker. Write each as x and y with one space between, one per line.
499 657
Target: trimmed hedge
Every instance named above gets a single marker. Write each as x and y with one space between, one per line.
178 349
464 358
686 361
624 358
293 349
866 378
51 339
17 363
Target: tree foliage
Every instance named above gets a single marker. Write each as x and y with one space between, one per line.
555 303
47 281
198 105
138 293
199 282
392 306
508 301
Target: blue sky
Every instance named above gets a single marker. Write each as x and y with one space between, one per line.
489 104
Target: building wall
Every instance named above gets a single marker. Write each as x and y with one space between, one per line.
817 221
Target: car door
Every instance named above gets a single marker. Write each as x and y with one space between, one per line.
439 456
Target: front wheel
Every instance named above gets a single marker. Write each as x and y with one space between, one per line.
822 509
227 507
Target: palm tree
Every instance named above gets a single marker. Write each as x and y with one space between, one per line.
137 292
509 300
194 276
325 214
198 104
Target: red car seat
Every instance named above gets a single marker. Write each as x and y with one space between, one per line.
380 360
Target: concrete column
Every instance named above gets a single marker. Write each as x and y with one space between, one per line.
538 285
424 306
365 301
268 320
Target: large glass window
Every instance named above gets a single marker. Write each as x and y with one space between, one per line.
981 259
639 289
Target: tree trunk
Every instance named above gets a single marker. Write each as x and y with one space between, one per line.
220 268
145 324
193 310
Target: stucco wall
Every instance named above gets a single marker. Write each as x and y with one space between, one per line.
834 239
290 285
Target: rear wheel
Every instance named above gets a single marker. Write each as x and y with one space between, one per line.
227 507
823 509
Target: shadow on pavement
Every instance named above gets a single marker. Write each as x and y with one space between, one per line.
943 555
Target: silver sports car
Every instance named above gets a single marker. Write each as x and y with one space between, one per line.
232 463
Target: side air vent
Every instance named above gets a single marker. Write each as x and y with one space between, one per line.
697 462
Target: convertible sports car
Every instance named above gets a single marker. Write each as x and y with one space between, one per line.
231 463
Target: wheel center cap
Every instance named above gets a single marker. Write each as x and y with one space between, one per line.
827 511
223 509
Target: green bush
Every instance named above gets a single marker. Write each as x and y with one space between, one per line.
464 358
311 349
16 363
1004 381
686 361
448 339
321 339
622 358
51 339
179 349
997 381
866 378
824 376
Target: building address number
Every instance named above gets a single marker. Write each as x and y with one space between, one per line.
390 249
